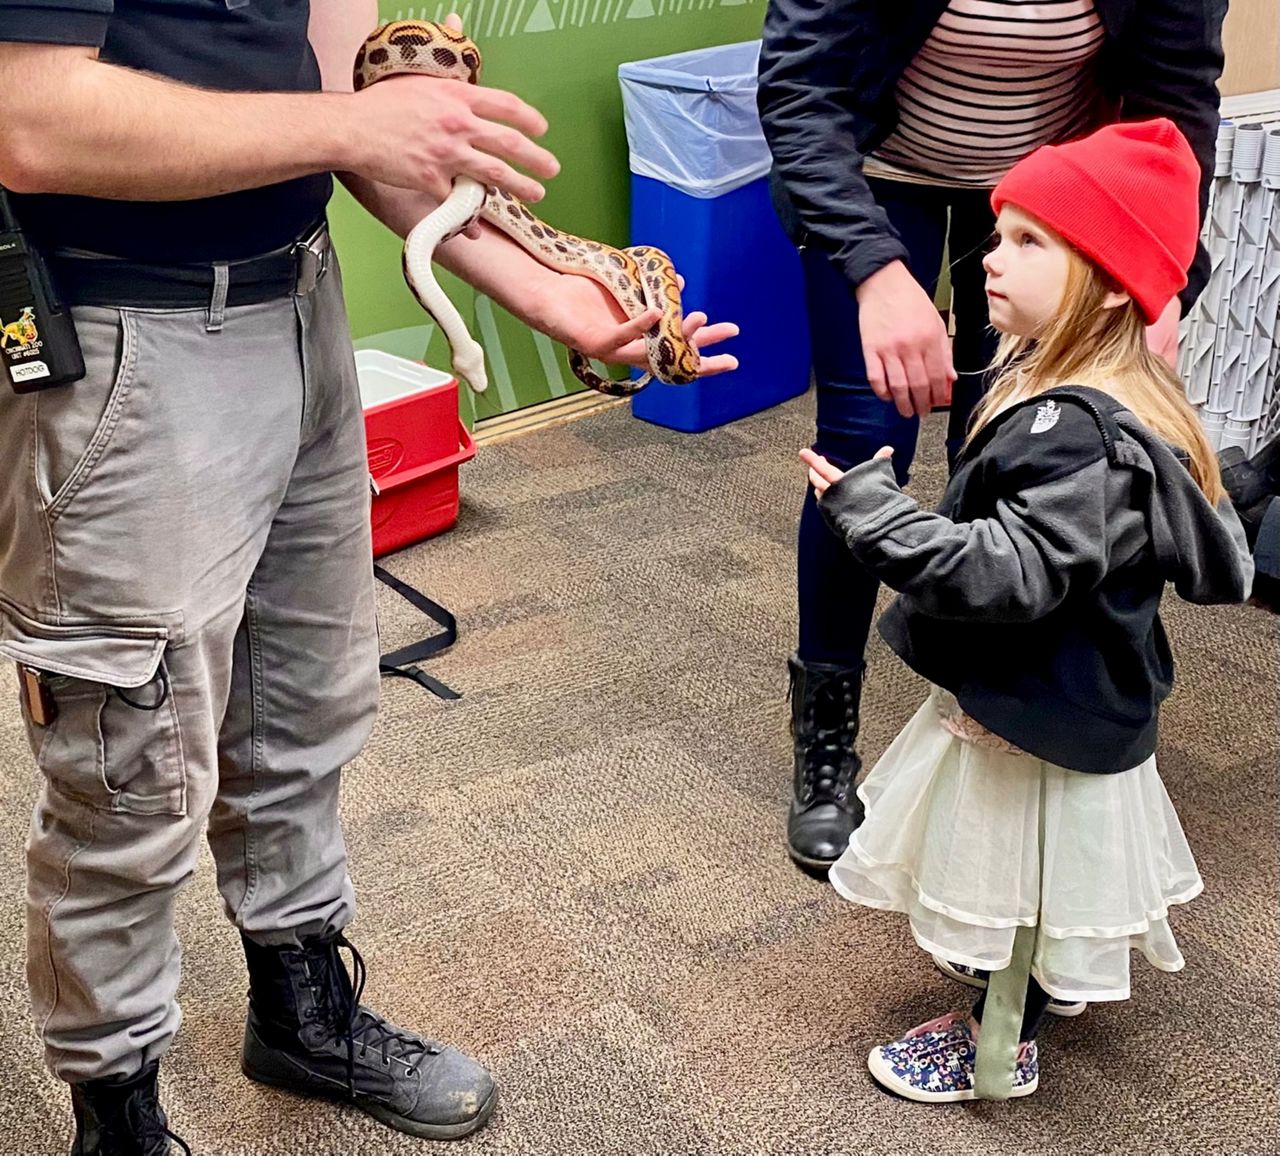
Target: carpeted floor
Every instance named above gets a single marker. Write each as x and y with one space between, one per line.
576 871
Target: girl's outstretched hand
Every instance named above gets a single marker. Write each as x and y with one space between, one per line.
823 474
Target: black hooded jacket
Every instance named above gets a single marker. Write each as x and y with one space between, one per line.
1033 593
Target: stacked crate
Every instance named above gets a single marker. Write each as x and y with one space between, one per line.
1230 349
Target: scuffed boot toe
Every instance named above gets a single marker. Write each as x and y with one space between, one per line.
455 1097
308 1032
818 836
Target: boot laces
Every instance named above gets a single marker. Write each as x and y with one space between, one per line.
142 1115
359 1029
830 730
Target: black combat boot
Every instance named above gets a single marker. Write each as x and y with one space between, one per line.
122 1117
308 1033
1252 484
824 725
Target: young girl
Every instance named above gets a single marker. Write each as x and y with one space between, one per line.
1018 819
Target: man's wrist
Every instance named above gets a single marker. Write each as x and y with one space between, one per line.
341 141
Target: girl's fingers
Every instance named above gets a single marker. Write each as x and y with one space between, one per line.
823 468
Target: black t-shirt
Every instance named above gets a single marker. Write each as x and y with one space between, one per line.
231 45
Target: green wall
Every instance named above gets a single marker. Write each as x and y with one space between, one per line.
561 56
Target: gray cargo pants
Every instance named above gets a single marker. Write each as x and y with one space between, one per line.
185 552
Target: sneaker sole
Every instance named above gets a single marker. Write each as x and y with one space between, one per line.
883 1075
384 1114
1064 1011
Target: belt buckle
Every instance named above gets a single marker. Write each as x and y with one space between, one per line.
311 261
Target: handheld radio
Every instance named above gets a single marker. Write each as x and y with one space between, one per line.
38 344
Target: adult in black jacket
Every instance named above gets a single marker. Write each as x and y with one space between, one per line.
889 123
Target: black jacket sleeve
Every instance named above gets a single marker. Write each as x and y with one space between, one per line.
1173 60
55 21
1057 510
818 92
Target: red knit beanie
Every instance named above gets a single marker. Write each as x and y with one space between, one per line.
1127 196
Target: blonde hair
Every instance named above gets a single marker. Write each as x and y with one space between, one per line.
1088 344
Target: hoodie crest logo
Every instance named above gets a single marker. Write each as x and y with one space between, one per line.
1046 417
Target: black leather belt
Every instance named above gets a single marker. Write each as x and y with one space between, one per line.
88 279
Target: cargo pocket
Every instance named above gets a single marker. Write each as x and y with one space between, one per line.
114 741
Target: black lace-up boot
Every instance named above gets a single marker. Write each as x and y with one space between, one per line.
308 1033
1252 484
122 1117
824 725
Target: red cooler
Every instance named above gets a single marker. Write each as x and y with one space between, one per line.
416 443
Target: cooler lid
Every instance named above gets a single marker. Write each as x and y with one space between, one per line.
385 377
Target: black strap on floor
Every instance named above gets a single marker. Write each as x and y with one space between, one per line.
402 663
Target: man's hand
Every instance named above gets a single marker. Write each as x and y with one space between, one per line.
583 315
1162 337
823 475
904 341
421 132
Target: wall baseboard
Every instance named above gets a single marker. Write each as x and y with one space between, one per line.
542 416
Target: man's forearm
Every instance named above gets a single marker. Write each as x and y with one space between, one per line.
491 262
76 125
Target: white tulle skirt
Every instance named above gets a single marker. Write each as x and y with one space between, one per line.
952 838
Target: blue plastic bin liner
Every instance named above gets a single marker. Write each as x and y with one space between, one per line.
699 191
691 119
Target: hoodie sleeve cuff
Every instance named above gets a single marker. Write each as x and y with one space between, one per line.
864 500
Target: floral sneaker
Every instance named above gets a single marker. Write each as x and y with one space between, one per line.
975 978
933 1063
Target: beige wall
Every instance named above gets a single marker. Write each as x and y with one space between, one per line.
1252 42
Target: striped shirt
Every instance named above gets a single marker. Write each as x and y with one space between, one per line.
995 80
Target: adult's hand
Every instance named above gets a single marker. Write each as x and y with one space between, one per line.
904 341
582 314
420 132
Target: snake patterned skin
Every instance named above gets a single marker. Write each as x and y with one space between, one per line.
638 277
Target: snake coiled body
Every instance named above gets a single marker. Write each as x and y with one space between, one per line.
638 277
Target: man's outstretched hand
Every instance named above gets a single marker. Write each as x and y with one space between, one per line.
583 315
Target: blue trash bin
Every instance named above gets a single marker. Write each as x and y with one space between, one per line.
699 191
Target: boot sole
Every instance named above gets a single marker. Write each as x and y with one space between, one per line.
382 1113
817 868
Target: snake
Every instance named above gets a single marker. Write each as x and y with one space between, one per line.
638 277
